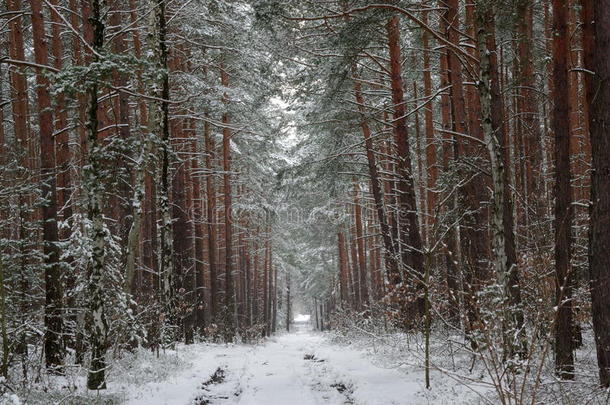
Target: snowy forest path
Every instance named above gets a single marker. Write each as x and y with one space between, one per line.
298 368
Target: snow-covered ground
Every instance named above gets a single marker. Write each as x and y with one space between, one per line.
303 367
298 368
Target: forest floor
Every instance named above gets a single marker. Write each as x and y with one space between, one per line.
303 367
298 368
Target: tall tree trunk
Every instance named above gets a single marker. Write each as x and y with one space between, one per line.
145 213
211 222
409 235
596 49
492 121
315 308
256 280
249 293
198 253
182 234
78 59
288 303
138 201
53 296
121 119
564 358
473 243
431 168
66 192
471 94
274 297
229 324
5 233
62 138
528 111
364 297
391 262
19 84
159 125
342 268
451 245
266 287
354 280
93 185
6 351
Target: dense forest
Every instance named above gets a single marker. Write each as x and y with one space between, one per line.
177 173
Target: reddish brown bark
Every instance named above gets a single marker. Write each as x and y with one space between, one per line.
274 297
420 164
579 138
182 231
447 148
266 289
389 251
256 295
527 111
239 277
596 48
149 279
364 296
431 168
137 50
353 279
53 288
199 235
409 234
77 56
105 124
226 147
474 241
19 85
342 268
564 359
451 249
249 293
211 223
62 147
119 117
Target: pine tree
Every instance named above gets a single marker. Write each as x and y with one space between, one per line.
597 43
564 359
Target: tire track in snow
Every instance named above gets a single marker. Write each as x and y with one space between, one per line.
326 382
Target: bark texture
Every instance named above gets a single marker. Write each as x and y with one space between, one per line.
560 123
598 90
